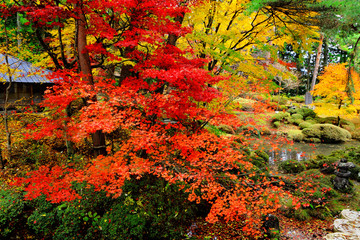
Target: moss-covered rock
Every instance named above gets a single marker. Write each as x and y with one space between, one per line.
305 124
306 112
297 121
328 133
312 132
292 166
295 135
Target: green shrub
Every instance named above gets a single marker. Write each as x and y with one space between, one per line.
298 99
277 124
11 209
43 218
281 116
281 100
292 166
348 125
356 134
149 208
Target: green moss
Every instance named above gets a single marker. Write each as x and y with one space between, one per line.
282 100
306 112
295 135
292 166
297 121
328 133
281 116
313 132
262 155
297 116
276 124
302 215
305 124
312 163
299 99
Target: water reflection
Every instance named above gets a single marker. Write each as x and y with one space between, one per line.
286 154
304 151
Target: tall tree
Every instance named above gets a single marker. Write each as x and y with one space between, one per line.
131 37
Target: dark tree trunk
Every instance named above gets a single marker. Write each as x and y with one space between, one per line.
98 137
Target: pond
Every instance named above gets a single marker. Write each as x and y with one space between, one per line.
303 151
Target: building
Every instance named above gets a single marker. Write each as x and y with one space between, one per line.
28 82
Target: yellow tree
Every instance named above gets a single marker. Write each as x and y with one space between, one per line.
233 35
333 88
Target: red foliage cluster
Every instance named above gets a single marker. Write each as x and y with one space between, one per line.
163 84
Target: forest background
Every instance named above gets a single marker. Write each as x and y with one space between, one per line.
130 143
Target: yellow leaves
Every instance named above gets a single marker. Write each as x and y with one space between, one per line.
332 87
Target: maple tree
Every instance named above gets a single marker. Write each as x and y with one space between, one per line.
123 73
333 88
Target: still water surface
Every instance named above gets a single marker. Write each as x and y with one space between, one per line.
303 151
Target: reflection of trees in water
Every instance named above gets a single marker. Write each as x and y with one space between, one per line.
303 151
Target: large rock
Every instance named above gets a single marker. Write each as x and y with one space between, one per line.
327 133
348 226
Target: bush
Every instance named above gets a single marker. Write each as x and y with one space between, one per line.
326 133
277 124
282 100
149 208
298 99
292 166
297 116
281 116
347 125
11 209
356 134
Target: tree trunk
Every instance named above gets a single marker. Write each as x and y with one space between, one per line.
317 63
350 88
98 137
7 93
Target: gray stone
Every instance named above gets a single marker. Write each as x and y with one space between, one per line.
308 98
343 174
346 165
341 184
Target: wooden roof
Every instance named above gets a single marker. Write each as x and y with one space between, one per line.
25 72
